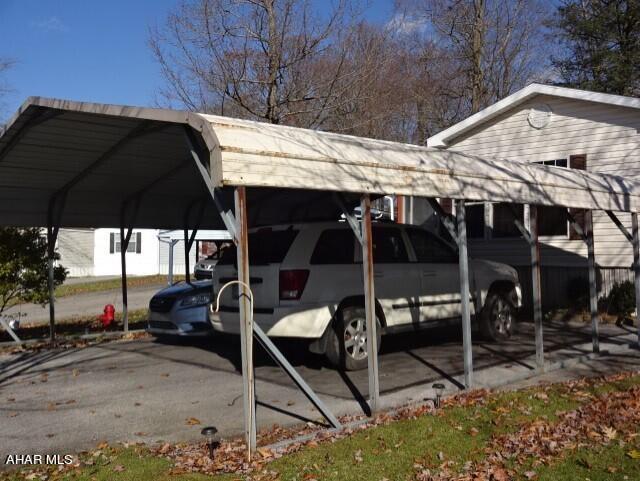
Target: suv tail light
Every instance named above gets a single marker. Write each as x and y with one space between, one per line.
292 283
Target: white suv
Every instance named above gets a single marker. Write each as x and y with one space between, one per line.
307 282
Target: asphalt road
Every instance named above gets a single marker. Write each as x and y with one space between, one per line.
63 401
87 304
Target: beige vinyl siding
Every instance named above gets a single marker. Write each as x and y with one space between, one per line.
608 135
76 251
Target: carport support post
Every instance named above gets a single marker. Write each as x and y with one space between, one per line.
187 245
636 266
124 245
463 262
246 326
593 288
536 285
52 237
370 303
170 274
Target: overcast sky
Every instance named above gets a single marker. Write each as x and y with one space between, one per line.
91 50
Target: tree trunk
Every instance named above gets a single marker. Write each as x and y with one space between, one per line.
477 48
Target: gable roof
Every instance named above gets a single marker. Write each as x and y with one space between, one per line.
444 138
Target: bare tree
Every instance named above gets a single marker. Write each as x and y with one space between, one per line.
493 43
5 65
271 60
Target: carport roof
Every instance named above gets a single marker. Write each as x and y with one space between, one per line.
95 158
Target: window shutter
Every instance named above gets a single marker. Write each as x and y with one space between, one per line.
578 162
112 243
138 242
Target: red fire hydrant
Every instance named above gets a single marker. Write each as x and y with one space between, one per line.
108 316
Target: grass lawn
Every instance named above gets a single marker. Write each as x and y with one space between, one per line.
77 326
112 284
585 430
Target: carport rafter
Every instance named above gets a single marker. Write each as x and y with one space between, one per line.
40 117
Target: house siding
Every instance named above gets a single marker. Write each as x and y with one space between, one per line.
76 251
607 135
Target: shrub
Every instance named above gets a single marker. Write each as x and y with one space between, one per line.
578 292
621 299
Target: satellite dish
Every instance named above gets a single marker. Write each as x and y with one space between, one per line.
539 116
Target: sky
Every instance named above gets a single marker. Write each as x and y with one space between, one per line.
91 50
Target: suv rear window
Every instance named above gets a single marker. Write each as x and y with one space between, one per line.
335 246
266 246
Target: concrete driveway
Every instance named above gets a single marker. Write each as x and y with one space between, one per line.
63 401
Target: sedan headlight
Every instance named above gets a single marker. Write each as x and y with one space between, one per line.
196 300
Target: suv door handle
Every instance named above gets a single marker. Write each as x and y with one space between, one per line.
378 274
428 273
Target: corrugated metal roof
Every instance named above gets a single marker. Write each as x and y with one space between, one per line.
124 151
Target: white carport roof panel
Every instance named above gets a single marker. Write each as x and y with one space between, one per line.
49 143
256 154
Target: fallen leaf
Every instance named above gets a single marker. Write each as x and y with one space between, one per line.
192 421
441 456
609 432
51 407
75 373
137 404
13 415
634 454
140 433
164 374
500 474
118 468
265 452
530 474
473 432
358 456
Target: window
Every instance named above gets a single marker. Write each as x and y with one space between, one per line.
388 246
504 216
429 248
335 246
552 221
474 214
266 246
554 163
135 243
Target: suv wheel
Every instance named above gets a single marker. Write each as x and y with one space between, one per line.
347 344
498 317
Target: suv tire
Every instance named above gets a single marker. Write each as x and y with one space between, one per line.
347 345
497 320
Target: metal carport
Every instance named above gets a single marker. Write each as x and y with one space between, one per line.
75 164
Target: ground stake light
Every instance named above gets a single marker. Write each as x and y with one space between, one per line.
439 389
210 433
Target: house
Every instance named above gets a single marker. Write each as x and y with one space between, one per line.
96 252
567 129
